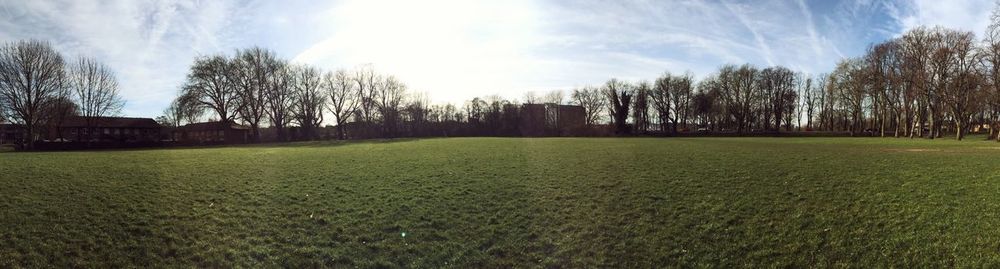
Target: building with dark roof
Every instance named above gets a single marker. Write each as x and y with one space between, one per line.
223 132
121 129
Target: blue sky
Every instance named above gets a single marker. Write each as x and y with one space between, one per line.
456 50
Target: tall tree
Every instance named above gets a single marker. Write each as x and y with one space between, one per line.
808 102
96 91
58 110
660 96
592 101
344 97
619 93
390 93
278 97
31 75
308 99
417 113
680 96
916 48
186 108
211 81
963 92
367 82
739 93
990 59
849 80
704 103
254 72
640 106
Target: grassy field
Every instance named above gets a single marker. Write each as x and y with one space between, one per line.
499 202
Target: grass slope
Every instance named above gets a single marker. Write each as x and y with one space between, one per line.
499 202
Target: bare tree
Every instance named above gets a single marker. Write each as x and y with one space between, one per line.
211 82
96 91
390 93
531 98
367 81
308 99
705 104
990 59
254 70
640 106
680 96
554 97
849 79
186 108
592 101
916 48
58 110
660 97
417 113
778 86
279 94
808 102
962 92
739 93
31 75
344 97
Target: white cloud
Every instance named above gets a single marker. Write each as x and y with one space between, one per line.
968 15
149 44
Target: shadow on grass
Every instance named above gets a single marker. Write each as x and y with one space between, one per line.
323 143
296 144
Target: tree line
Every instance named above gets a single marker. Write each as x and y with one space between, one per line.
927 82
39 88
255 87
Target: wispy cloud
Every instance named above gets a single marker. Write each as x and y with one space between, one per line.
455 50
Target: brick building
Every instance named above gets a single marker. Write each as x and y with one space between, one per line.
224 132
105 129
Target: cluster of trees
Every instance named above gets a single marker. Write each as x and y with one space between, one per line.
925 83
257 88
922 84
737 98
39 88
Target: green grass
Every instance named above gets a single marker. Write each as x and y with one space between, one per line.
499 202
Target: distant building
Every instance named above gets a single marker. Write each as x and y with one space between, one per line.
569 120
552 120
532 120
110 129
225 132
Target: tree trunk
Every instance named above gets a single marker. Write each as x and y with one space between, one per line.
997 127
933 124
881 128
340 130
28 139
959 132
255 133
280 131
899 122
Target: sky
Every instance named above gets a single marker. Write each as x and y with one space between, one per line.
456 50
